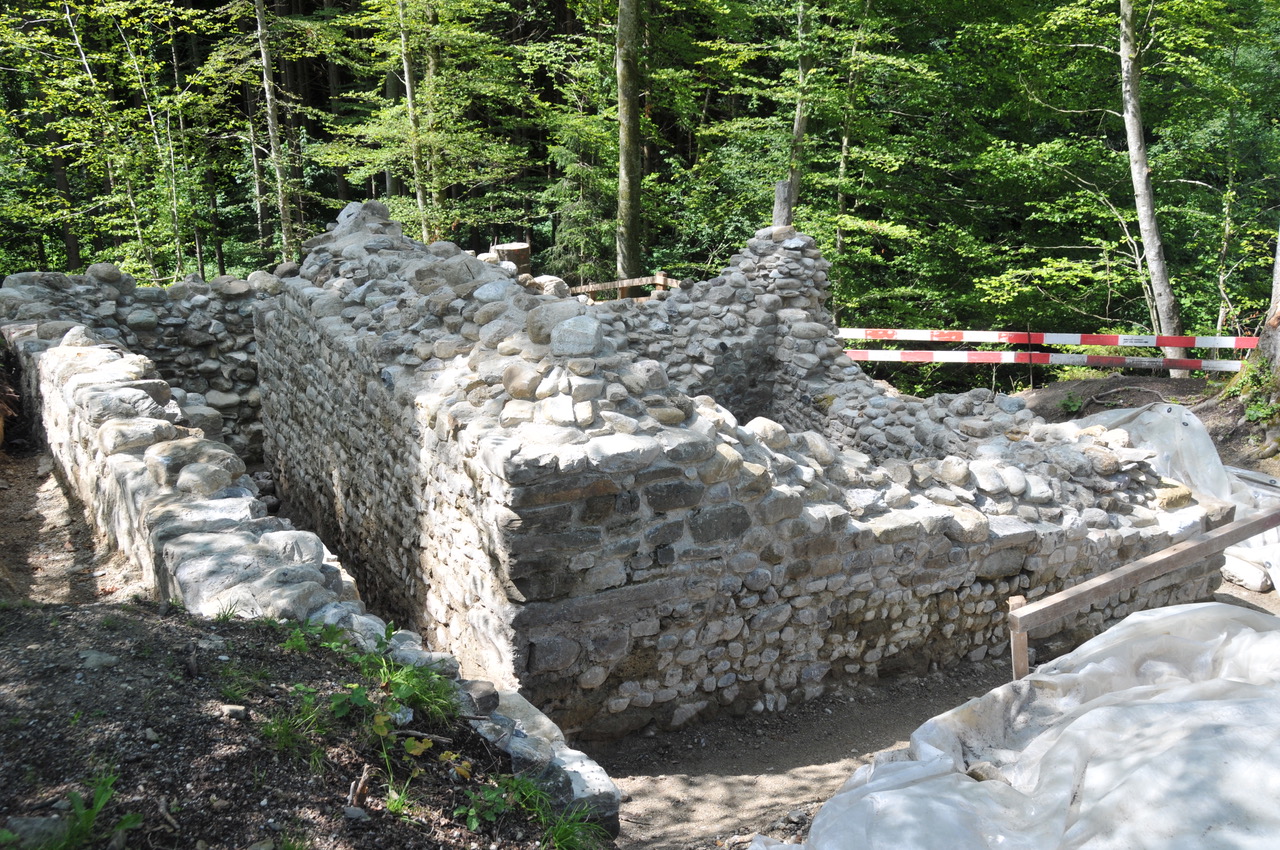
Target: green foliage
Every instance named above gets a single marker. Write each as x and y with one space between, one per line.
963 164
1072 402
82 824
293 729
565 829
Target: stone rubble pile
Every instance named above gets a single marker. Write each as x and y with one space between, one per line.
199 335
646 512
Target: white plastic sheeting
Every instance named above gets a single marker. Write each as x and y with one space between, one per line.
1163 732
1185 452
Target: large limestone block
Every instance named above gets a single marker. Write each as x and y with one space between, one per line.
540 320
166 460
122 435
579 336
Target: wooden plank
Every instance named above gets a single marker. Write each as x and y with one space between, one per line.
1087 593
652 280
1018 642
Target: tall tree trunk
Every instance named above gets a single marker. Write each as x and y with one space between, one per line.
1275 284
259 179
215 222
627 66
852 85
787 192
289 246
415 129
70 241
164 153
1166 305
333 79
430 79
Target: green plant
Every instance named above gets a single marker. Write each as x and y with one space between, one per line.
296 642
292 730
485 806
573 830
289 841
83 821
1071 403
1080 373
352 696
420 688
1261 410
226 613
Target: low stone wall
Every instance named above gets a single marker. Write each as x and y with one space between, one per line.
199 336
549 489
182 509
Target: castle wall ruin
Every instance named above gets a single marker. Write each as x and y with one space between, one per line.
643 513
638 513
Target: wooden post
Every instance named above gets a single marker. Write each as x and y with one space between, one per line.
516 252
1018 642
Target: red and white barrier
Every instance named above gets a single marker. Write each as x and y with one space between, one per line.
1023 338
1037 357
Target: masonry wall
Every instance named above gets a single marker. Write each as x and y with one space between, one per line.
198 335
647 513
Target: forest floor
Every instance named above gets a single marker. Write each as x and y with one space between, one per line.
96 681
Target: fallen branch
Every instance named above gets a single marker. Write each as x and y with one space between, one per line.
1093 399
360 788
164 813
410 733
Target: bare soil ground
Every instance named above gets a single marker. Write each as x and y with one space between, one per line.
201 779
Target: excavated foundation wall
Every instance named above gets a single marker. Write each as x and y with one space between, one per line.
198 335
643 513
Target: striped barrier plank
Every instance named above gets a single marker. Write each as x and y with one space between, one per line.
1022 338
1041 358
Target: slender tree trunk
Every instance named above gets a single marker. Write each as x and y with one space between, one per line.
1166 304
70 241
215 222
430 79
415 129
259 180
852 84
164 154
333 79
1275 281
289 247
627 66
785 208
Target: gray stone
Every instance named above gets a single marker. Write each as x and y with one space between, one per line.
550 654
709 525
616 453
541 320
38 832
579 336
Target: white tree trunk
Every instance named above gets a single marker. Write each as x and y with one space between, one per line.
415 129
289 248
626 64
1169 318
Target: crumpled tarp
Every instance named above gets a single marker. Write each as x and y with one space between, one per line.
1185 452
1163 732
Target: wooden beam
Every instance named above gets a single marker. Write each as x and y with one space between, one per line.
1018 642
659 280
1098 589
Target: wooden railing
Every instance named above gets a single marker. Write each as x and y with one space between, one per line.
659 281
1025 616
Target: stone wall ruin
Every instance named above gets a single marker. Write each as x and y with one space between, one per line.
645 512
638 513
